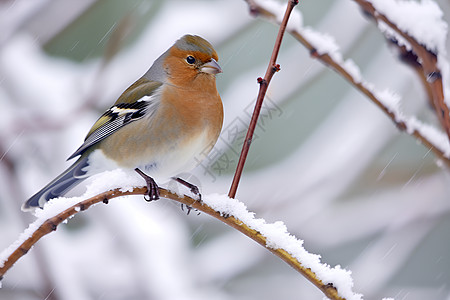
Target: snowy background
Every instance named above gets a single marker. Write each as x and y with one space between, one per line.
325 160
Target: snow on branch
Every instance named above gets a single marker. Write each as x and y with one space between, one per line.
335 283
324 48
420 20
419 27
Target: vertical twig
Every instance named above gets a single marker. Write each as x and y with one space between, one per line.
272 68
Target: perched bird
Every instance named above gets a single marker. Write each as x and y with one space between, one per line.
160 126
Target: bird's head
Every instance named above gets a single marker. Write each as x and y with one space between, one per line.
191 57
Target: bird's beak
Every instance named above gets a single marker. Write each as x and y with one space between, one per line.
211 67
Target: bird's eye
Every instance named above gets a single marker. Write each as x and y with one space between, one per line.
190 60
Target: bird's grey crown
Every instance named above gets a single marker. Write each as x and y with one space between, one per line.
194 43
186 43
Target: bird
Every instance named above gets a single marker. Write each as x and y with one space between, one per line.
160 126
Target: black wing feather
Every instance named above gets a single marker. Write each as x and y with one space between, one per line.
112 120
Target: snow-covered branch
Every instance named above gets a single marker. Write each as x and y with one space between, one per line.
425 39
324 48
335 283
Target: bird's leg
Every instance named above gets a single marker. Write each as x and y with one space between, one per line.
194 189
152 187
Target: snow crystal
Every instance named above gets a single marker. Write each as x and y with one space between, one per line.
326 44
422 20
278 237
435 136
352 68
392 34
278 9
391 100
323 43
438 138
23 237
126 180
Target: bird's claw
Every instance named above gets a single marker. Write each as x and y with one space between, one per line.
152 188
193 188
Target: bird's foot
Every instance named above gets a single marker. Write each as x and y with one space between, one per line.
152 187
194 189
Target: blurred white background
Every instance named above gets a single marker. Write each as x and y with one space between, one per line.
325 160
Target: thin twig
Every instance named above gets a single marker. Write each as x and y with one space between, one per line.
51 225
338 68
272 68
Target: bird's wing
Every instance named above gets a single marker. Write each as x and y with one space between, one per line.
141 98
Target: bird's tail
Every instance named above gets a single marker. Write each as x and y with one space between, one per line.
59 186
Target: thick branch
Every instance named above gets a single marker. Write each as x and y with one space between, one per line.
51 225
263 85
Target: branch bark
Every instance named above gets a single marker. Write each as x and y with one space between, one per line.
272 68
434 89
51 225
428 62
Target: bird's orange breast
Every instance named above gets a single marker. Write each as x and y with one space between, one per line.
184 128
